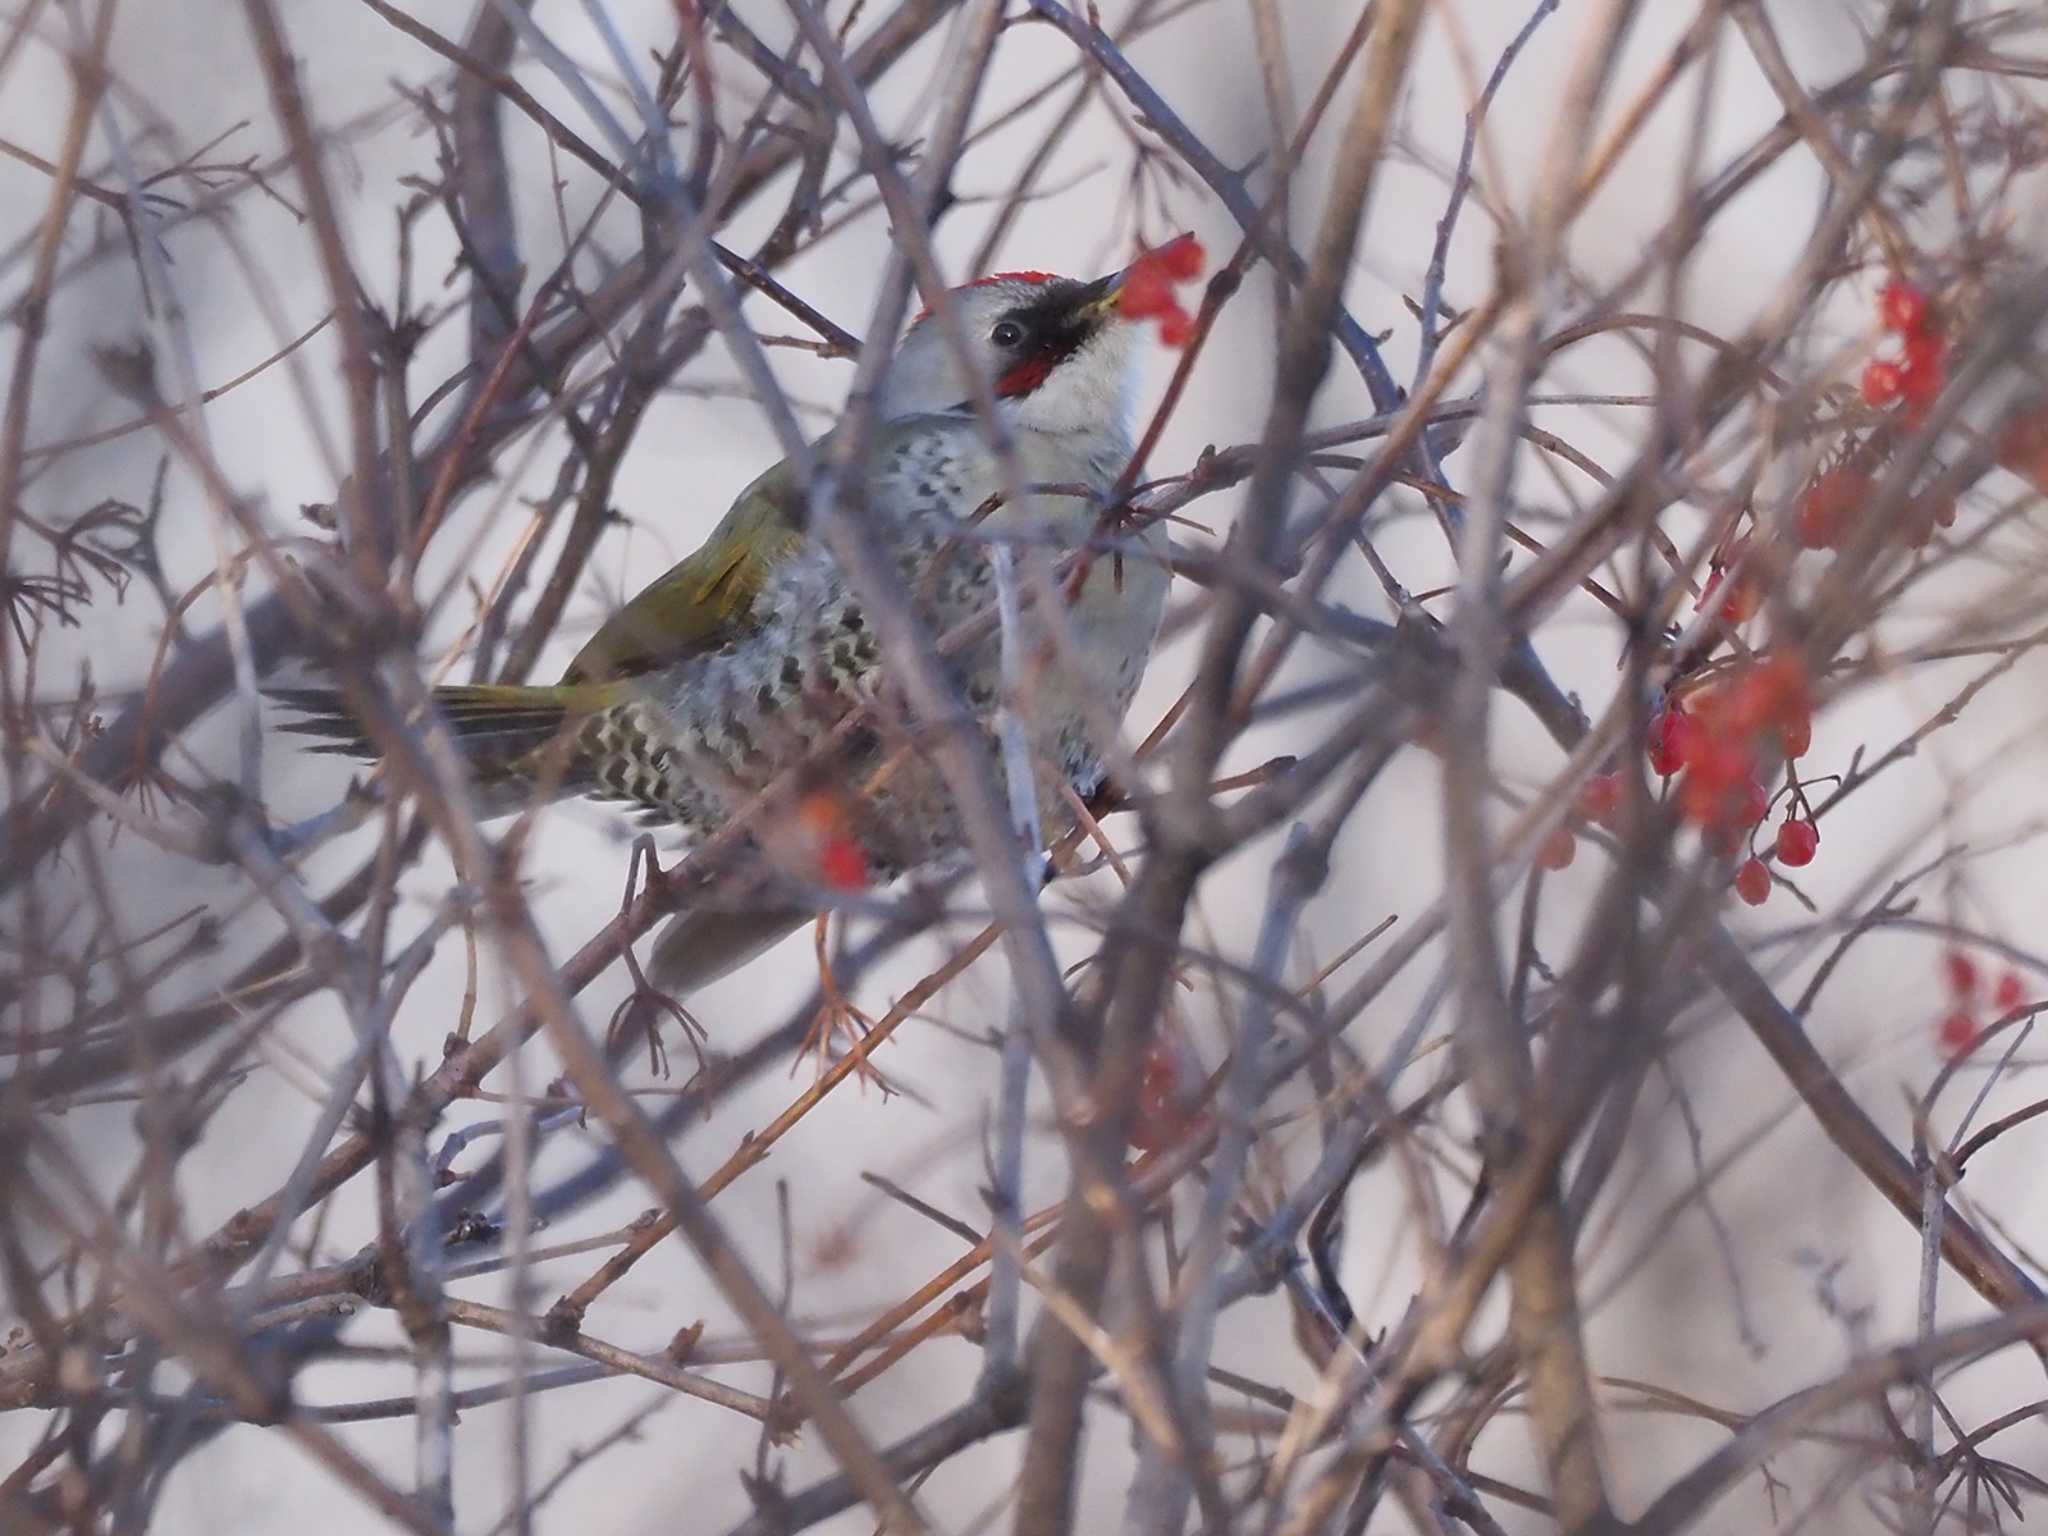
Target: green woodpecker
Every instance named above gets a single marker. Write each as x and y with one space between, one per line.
731 677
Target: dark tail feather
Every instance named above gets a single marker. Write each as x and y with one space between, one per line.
499 727
703 944
326 717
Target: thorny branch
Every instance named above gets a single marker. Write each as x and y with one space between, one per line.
1357 999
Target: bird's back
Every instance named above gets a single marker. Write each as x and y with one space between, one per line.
768 705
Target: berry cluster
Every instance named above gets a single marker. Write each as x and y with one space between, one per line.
1825 514
1716 738
1959 1025
1827 509
1913 378
1147 291
1827 506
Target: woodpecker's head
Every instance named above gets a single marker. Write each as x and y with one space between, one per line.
1056 352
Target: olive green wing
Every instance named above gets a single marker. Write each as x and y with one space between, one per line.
705 599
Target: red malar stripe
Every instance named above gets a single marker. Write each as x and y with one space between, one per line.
1024 378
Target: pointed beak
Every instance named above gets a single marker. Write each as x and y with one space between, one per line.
1096 302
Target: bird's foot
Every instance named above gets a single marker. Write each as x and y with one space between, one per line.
644 1008
838 1015
641 1015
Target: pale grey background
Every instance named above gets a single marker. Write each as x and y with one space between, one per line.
1792 1202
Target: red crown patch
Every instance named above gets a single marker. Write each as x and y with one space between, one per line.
993 277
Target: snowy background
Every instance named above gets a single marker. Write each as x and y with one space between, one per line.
1821 1265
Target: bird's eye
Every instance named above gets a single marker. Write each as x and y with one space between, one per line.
1008 333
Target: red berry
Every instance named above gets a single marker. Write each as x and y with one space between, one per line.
1902 307
1600 798
1795 735
1176 328
1961 967
1924 352
1558 849
1672 732
1923 514
1958 1032
1829 505
1158 1076
1146 291
1719 762
1782 678
1162 1117
1743 599
1798 842
1753 882
1156 1126
1741 705
1925 370
1741 596
1753 804
1168 1108
1766 693
1940 510
2010 992
1699 801
1883 381
1181 258
1706 799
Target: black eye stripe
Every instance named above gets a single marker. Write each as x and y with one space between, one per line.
1043 322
